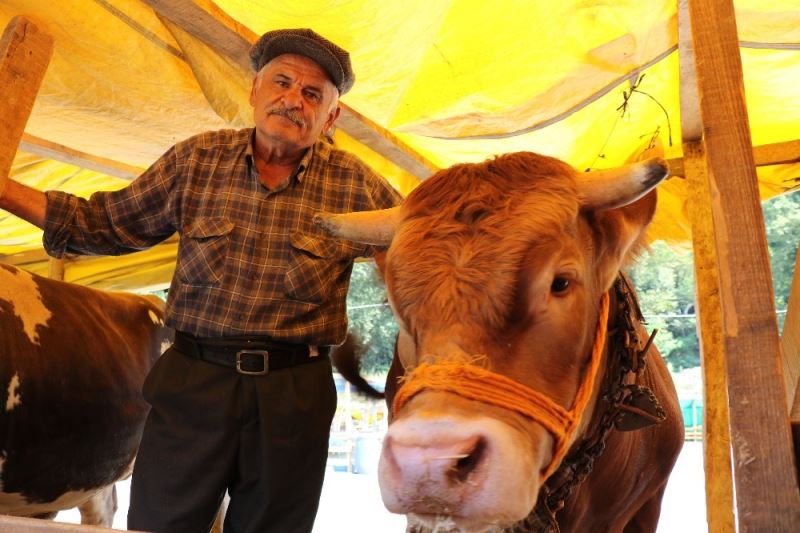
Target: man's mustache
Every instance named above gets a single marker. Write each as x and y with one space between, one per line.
294 116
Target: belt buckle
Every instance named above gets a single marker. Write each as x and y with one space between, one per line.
265 358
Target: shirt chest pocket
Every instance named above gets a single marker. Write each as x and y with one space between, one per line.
202 251
313 268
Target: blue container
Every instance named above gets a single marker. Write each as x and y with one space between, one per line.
367 453
692 411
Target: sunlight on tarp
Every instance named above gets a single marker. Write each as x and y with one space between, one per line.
456 80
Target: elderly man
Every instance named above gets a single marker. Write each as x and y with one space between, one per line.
244 399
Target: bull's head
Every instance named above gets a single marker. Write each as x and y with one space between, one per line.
496 273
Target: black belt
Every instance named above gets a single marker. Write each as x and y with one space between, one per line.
253 356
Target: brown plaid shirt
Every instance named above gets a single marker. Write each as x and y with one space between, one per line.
250 260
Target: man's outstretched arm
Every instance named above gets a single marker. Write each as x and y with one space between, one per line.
25 202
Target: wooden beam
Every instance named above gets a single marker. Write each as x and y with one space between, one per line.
59 152
782 153
790 347
56 268
25 53
35 525
207 22
766 491
790 344
716 435
24 258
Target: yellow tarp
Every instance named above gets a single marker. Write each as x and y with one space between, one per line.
585 81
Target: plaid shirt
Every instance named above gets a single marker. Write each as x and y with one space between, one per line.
250 260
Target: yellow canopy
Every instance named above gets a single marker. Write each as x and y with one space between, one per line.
453 80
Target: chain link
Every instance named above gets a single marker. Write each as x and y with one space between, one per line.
577 466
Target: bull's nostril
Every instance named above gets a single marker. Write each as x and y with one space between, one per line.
467 462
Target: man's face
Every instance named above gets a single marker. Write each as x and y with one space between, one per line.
293 102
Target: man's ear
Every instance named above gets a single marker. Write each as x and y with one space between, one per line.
253 90
332 116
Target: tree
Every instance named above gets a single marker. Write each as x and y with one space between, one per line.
665 283
371 319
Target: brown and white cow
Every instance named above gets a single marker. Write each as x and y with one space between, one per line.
521 353
72 363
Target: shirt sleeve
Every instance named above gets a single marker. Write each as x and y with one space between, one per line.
382 194
114 223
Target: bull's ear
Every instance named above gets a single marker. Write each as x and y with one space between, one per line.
622 229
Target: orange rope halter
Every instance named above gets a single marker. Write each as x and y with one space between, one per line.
485 386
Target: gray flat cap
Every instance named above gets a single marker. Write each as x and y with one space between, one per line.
333 59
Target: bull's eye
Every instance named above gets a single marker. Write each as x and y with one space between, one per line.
559 285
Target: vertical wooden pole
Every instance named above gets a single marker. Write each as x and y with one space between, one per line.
56 269
790 347
766 490
790 340
716 436
24 55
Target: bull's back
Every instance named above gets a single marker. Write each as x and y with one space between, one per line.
72 362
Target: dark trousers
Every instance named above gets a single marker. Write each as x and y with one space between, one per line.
264 439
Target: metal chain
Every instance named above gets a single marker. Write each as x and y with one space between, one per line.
577 466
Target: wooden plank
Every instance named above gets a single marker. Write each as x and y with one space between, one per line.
9 524
207 22
691 123
716 435
781 153
25 53
56 268
59 152
766 491
790 347
790 344
24 258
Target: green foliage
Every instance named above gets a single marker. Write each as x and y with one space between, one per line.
371 319
782 220
664 280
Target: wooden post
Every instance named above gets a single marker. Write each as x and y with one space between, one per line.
56 270
790 342
766 490
716 436
24 55
790 347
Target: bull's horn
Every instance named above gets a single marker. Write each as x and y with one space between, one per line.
615 187
368 227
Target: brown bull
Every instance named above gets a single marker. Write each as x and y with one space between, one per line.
72 363
523 358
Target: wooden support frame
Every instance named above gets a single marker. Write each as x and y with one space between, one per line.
766 491
64 154
790 347
765 155
25 53
716 435
790 344
206 21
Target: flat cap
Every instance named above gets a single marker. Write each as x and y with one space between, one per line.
333 59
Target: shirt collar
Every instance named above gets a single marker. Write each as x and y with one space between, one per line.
320 149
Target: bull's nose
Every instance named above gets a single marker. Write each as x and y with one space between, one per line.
446 463
473 470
